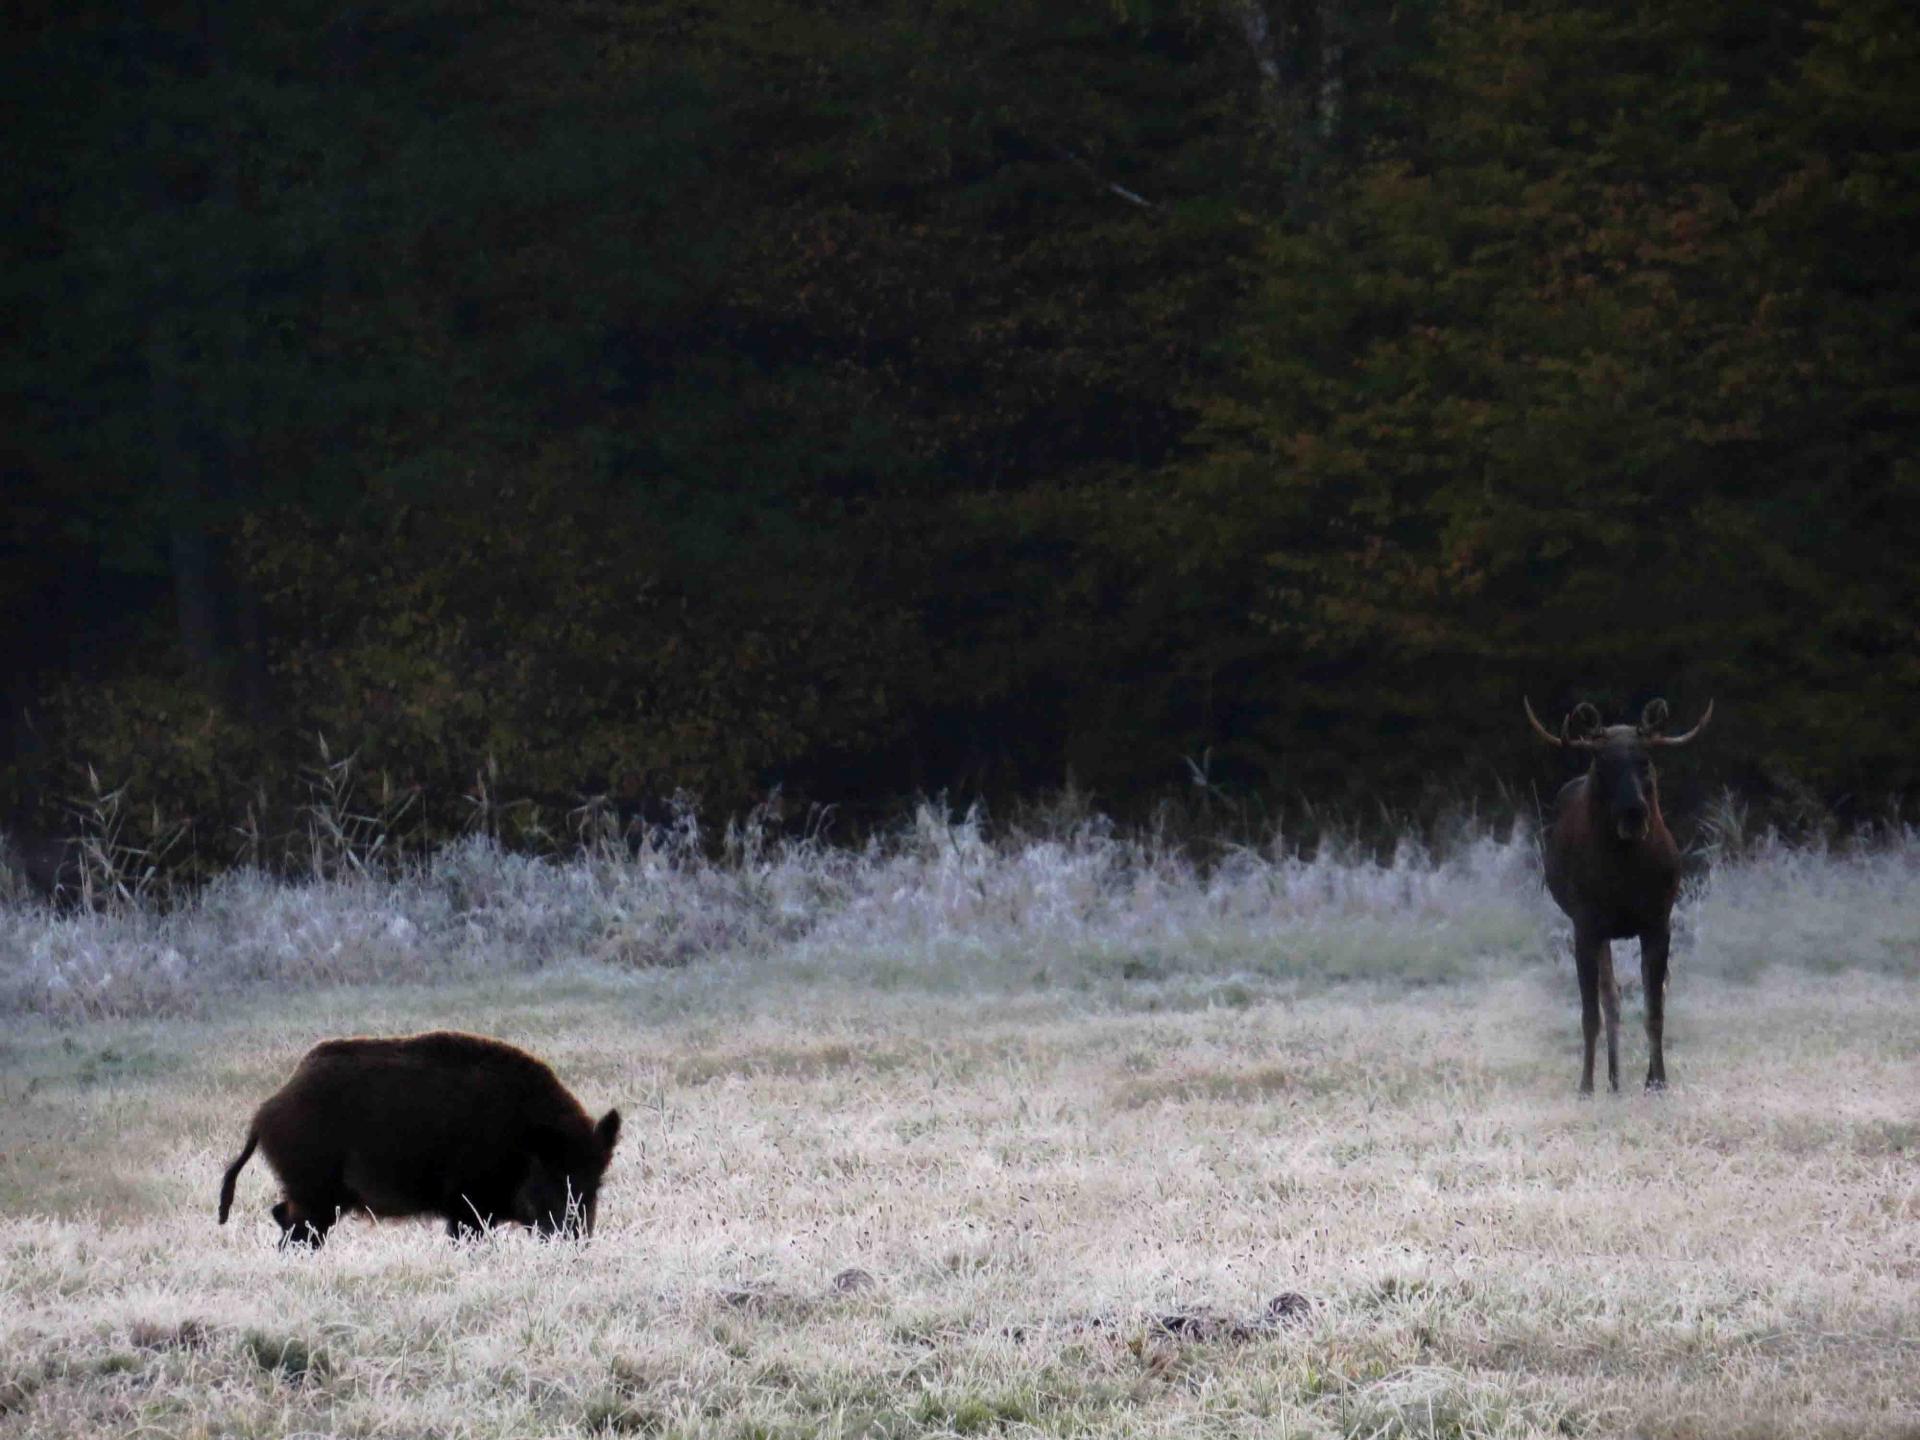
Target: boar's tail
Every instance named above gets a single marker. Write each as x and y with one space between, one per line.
233 1174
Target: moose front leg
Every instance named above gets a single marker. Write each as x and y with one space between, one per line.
1610 1012
1586 961
1653 980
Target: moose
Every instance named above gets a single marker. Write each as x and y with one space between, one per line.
464 1127
1613 867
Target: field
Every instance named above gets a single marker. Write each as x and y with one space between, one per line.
1015 1137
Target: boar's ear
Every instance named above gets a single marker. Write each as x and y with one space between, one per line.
608 1130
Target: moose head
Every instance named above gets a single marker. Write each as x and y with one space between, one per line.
1623 783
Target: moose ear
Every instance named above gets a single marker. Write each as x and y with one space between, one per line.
608 1130
1586 719
1653 719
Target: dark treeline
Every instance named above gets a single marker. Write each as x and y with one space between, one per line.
879 397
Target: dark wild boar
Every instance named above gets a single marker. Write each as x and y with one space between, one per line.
1613 868
460 1126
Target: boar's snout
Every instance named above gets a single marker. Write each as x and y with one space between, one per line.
561 1192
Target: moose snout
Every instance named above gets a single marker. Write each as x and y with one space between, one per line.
1632 822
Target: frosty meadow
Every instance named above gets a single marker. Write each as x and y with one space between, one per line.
1015 1134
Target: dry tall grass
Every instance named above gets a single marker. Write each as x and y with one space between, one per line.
1076 1112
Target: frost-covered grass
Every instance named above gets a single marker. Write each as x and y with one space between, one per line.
1076 1109
938 906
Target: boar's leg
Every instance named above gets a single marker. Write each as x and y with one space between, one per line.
306 1220
479 1201
302 1224
469 1221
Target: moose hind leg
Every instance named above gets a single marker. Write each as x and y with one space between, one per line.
1586 961
1610 1011
1653 979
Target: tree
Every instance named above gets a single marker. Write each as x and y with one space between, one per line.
1549 397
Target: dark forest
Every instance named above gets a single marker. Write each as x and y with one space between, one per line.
548 401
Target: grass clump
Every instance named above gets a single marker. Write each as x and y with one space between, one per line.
608 1412
289 1357
16 1391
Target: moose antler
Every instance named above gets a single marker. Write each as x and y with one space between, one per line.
1589 717
1670 740
1539 729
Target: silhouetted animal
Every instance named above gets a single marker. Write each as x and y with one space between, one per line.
459 1126
44 864
1613 867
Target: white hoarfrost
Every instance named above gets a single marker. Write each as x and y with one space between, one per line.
940 904
1118 1145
